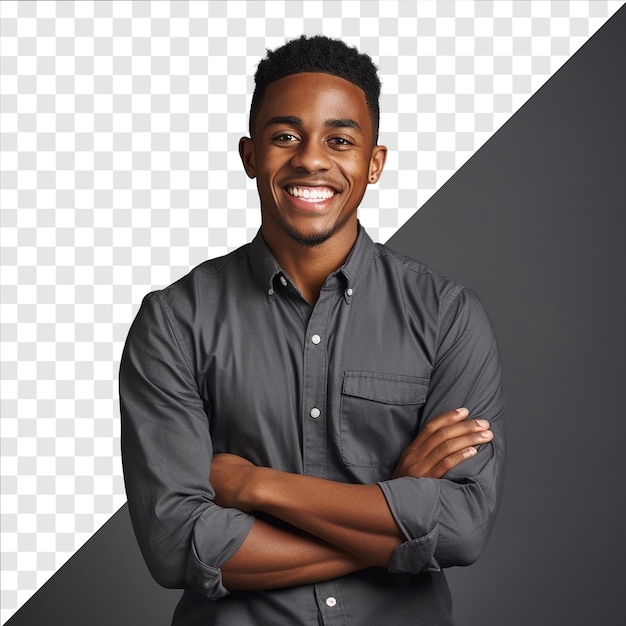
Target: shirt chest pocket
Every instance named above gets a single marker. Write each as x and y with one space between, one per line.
379 416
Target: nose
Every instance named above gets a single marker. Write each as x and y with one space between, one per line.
312 156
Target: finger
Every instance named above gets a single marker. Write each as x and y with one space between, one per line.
437 423
422 462
441 422
429 440
445 419
450 462
450 447
455 431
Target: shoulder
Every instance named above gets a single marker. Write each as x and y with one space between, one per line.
424 291
201 288
213 271
209 276
419 278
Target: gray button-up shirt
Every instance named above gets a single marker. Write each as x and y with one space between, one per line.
231 358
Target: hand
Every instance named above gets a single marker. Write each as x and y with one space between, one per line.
230 475
443 443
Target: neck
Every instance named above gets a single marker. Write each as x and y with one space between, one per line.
309 266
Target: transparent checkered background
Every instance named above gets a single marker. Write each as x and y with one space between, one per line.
119 124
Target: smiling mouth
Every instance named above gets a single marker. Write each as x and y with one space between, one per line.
310 194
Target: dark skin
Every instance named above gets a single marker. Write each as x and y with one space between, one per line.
313 154
313 134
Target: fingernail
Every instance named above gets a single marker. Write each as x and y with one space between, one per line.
483 423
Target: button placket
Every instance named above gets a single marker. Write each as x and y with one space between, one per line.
314 385
329 603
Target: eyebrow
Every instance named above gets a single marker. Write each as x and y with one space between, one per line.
296 121
285 119
343 124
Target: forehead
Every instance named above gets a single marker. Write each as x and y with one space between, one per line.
315 97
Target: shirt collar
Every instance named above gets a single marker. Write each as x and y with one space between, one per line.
266 268
359 258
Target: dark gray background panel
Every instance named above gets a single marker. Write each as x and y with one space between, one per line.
535 222
106 583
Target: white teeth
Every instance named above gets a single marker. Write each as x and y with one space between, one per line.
311 193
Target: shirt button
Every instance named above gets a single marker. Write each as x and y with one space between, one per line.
316 339
315 413
331 601
270 292
283 281
349 292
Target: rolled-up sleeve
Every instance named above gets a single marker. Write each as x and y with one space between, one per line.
448 521
166 454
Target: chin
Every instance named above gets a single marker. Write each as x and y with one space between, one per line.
311 239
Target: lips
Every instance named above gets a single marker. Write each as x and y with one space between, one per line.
310 194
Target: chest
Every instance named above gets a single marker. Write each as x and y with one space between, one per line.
336 390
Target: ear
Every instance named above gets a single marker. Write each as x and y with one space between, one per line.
377 163
246 152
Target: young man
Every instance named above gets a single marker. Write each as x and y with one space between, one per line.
311 425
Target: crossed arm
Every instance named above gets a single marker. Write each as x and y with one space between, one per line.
345 527
196 533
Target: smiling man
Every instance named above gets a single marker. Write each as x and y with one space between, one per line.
312 425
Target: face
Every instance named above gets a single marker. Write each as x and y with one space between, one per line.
313 154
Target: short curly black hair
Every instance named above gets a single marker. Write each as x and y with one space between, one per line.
318 54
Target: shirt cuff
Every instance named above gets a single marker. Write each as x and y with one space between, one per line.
414 504
217 535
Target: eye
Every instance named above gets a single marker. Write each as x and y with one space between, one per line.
339 142
284 138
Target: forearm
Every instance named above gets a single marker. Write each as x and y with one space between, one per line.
367 521
271 557
355 518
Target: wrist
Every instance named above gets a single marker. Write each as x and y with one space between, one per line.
254 493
